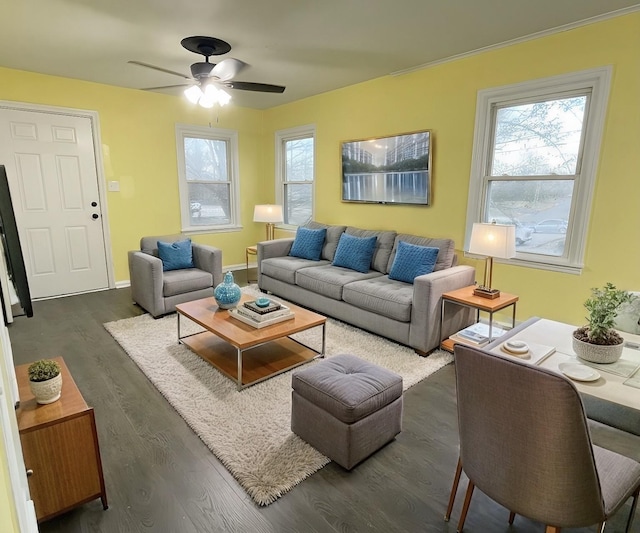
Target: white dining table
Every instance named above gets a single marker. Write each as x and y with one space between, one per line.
608 387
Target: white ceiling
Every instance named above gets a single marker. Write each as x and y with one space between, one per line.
310 46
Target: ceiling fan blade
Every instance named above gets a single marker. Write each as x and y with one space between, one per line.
260 87
228 69
166 87
167 71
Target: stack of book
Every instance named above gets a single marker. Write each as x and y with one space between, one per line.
477 334
259 317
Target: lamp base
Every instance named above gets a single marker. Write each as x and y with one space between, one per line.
486 292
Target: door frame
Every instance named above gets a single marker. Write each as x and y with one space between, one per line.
98 160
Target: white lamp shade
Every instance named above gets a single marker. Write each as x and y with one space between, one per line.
493 240
268 213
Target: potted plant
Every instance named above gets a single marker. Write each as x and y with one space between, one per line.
45 380
597 341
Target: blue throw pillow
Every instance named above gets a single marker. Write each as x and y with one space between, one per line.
412 261
175 255
308 243
355 252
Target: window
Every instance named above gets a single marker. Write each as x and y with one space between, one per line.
208 173
295 170
534 164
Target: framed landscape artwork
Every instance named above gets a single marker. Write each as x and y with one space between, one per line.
388 170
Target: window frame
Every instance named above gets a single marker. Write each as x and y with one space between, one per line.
598 82
281 137
217 134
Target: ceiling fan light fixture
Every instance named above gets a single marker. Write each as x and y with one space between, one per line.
223 97
193 94
206 102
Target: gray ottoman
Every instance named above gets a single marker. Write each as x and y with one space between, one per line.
346 408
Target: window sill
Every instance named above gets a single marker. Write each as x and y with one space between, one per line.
195 230
558 266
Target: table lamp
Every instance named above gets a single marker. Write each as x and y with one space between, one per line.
269 213
491 240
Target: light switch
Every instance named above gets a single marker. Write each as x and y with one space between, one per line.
114 186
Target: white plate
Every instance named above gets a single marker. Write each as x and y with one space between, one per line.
579 372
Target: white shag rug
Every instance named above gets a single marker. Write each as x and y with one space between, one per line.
249 431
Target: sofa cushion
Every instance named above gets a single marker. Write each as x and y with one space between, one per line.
175 255
355 252
445 255
412 261
308 243
331 239
384 245
186 280
381 295
329 280
284 268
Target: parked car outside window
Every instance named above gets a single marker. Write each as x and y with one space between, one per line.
551 225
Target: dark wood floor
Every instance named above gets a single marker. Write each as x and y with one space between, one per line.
160 477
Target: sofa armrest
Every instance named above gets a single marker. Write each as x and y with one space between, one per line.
427 306
209 259
274 248
269 249
145 277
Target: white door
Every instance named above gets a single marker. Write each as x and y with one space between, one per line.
51 168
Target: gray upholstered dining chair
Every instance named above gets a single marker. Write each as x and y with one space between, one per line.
158 290
525 443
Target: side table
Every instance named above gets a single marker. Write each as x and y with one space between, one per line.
466 298
250 250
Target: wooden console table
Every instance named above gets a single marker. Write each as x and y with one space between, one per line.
60 448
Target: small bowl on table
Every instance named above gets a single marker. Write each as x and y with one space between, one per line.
263 302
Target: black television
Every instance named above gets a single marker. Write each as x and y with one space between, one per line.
10 247
388 170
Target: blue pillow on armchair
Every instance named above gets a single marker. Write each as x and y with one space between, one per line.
412 261
308 243
355 252
175 255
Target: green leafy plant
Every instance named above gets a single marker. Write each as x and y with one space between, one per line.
602 308
43 370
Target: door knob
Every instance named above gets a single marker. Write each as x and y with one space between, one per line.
94 216
29 472
94 204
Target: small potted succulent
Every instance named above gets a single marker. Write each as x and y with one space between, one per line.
45 380
597 341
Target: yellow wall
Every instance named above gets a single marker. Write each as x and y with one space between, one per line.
139 150
138 133
8 517
443 99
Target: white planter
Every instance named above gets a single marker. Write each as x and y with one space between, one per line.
47 391
597 353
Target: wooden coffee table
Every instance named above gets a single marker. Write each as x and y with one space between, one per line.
246 354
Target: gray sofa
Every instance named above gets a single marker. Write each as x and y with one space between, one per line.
159 292
404 312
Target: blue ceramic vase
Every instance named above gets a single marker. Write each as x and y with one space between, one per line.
227 294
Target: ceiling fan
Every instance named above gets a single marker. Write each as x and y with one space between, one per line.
208 80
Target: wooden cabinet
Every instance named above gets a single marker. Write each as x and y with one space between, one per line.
60 448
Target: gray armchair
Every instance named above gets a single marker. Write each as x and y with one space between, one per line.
159 292
525 443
